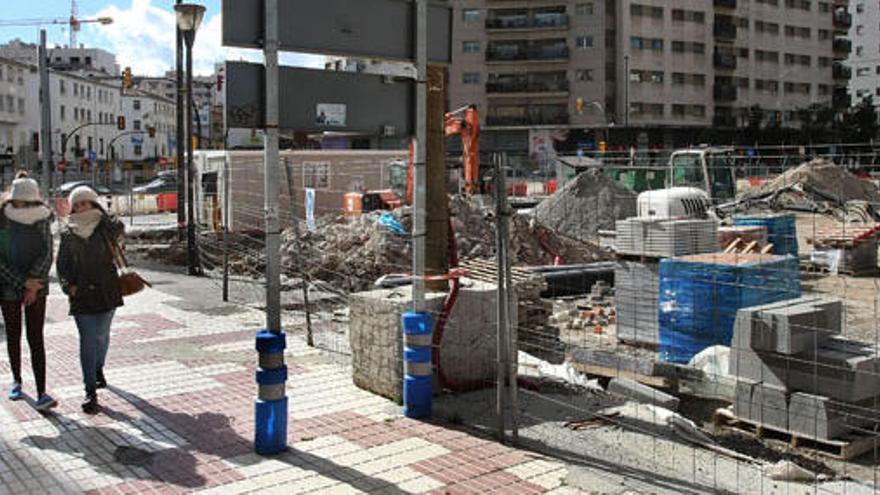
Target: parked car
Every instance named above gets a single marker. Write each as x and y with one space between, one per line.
164 183
67 187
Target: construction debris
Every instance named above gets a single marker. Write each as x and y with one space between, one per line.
589 203
354 252
818 186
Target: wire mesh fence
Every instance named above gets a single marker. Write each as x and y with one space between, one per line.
665 354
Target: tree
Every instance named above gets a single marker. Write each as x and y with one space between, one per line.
861 121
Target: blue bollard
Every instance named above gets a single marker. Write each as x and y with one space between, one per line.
417 386
270 408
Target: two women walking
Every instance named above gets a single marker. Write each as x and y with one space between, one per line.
86 272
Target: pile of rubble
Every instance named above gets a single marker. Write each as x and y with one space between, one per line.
818 186
353 252
587 204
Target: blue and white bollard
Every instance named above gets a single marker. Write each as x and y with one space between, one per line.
270 428
417 371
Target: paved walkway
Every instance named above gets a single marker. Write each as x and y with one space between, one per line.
178 417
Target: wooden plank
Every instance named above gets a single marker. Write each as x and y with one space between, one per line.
733 245
654 381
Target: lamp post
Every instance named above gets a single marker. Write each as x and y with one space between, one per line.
189 16
181 172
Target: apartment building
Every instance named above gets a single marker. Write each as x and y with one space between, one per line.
646 64
865 56
18 94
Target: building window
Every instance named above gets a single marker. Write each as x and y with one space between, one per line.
638 43
681 15
583 75
646 76
470 78
316 175
584 8
860 30
797 32
798 4
75 113
637 10
688 47
584 42
470 15
137 125
470 46
75 89
63 112
62 88
138 150
89 93
860 50
824 7
792 59
863 71
824 34
860 8
21 106
770 28
136 104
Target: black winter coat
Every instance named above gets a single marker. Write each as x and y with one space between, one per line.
88 265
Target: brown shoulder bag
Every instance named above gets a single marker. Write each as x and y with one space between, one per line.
130 282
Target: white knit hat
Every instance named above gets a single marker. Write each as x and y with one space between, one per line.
82 193
25 190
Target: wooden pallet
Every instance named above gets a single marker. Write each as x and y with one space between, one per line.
487 271
846 448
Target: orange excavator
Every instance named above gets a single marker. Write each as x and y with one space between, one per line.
464 122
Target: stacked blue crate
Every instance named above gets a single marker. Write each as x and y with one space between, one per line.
700 295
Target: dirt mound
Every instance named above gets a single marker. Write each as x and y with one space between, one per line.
589 203
822 179
353 253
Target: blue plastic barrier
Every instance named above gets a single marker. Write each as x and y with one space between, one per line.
417 386
781 231
270 408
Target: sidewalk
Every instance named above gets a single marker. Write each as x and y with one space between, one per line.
178 417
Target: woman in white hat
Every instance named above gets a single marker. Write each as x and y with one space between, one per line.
26 255
89 277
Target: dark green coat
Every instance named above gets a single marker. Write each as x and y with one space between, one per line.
88 265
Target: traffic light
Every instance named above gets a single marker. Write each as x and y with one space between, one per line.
579 105
151 131
603 146
120 122
126 78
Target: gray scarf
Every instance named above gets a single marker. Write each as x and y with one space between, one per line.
28 215
84 224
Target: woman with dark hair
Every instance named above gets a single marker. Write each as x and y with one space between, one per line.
89 277
25 257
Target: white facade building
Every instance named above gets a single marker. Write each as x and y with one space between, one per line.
864 58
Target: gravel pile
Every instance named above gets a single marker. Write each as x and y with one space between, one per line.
822 179
589 203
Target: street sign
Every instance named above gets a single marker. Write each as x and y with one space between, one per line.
93 157
319 100
382 29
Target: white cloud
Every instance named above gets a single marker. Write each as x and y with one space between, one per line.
142 37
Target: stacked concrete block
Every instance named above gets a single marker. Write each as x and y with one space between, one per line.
796 373
666 237
822 417
467 351
636 294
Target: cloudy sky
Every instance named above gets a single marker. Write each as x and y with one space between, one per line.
142 34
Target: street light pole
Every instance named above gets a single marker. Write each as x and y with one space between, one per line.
45 115
191 248
181 176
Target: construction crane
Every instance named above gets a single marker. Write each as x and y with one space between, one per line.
73 22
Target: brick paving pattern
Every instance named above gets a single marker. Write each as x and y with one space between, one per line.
178 418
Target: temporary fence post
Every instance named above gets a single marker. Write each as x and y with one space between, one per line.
501 296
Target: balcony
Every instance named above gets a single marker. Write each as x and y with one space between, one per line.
840 71
725 4
724 120
724 61
842 45
523 86
842 19
537 21
840 98
514 53
725 92
527 115
725 30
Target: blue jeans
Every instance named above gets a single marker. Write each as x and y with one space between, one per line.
94 339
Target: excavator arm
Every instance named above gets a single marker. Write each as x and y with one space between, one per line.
468 127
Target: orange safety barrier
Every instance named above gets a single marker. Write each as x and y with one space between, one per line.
167 202
521 189
353 204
